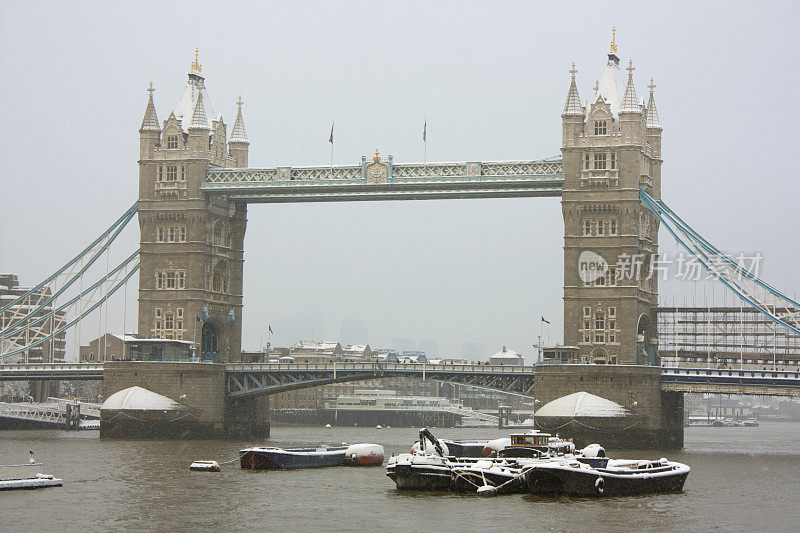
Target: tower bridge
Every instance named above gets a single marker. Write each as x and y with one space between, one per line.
195 185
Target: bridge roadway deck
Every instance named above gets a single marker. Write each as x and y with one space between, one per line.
250 379
384 180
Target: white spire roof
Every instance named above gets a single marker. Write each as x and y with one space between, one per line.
150 120
184 110
199 118
610 84
238 133
652 112
629 101
573 105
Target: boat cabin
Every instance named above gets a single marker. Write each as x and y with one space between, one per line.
530 439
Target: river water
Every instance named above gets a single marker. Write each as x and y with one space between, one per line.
742 479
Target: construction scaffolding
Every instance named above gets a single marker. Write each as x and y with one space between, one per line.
725 337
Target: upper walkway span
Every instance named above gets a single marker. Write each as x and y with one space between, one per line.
385 180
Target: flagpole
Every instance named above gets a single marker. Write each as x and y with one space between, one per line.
331 141
269 339
425 142
541 326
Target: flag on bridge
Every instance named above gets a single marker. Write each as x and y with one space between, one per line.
425 131
545 320
330 140
269 327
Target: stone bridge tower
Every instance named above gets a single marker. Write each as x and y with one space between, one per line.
191 258
610 149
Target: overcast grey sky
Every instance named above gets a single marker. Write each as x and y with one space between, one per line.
491 78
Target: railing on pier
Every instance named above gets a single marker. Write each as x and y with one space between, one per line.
51 371
731 381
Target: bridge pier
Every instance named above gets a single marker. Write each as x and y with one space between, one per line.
247 418
199 387
656 420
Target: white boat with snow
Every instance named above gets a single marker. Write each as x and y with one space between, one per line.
570 477
26 476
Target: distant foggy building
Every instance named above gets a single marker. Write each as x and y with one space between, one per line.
109 347
354 330
506 357
471 351
47 351
404 344
303 326
429 346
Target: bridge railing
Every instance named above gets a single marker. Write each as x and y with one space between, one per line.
541 170
730 373
31 367
374 366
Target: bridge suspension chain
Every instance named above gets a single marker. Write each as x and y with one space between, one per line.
18 328
772 303
67 273
118 277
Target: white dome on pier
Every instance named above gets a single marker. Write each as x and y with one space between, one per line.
582 404
139 399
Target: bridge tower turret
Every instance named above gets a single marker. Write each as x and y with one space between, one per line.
150 131
190 282
610 149
239 144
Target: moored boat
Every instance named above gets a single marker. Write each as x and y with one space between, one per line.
270 458
26 476
413 471
205 466
570 477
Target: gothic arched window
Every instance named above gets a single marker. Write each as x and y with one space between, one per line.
599 321
218 238
599 127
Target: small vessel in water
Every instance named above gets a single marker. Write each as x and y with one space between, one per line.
531 466
570 477
269 458
26 476
205 466
432 466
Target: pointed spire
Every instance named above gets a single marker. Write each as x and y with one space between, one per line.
613 41
199 118
195 67
629 101
238 133
573 105
652 112
150 120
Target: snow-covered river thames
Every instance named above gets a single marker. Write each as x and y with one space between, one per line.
742 479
